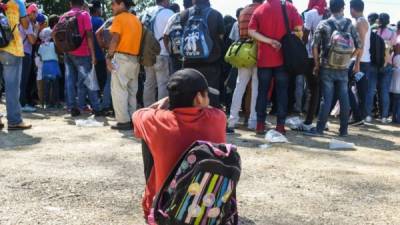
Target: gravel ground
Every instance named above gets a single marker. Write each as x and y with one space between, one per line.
58 173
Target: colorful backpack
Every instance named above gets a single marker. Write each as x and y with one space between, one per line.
196 40
66 33
6 32
341 46
201 189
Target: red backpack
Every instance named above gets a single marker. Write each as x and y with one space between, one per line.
66 33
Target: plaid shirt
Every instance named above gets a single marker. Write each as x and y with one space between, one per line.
323 33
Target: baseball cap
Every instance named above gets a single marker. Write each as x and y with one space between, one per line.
40 18
189 81
32 8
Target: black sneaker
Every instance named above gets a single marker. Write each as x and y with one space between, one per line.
75 112
122 126
99 113
230 130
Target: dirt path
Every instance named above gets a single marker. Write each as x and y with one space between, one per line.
58 173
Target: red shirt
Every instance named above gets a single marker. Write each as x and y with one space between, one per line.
169 133
269 21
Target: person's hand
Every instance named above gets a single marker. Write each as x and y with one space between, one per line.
316 70
356 68
110 66
162 104
94 61
276 44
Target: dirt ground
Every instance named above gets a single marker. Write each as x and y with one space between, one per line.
58 173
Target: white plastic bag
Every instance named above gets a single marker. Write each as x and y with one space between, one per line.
274 136
90 122
294 122
91 80
336 144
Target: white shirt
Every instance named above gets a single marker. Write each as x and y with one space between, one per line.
234 35
160 24
366 57
311 21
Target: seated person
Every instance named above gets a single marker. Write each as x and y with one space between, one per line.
169 131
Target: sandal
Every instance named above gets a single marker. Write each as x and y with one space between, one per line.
21 126
1 126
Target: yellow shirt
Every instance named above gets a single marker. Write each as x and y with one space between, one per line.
13 13
129 28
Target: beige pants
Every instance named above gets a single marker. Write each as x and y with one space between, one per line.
157 77
124 86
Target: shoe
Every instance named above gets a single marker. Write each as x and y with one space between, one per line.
99 113
21 126
385 120
368 119
304 127
230 130
281 129
75 112
343 134
252 125
260 129
357 123
313 133
87 109
28 109
122 126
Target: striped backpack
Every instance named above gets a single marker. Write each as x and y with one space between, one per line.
201 189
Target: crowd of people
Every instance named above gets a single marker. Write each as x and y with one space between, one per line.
98 65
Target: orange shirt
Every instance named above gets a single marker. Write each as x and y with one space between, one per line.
169 133
129 28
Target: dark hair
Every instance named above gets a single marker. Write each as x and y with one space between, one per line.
159 1
175 7
336 6
201 2
258 1
357 5
53 20
128 3
373 17
238 12
187 3
384 20
77 2
183 100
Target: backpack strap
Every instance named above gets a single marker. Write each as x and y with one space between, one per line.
285 16
332 25
347 25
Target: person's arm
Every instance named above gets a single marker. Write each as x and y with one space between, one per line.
90 41
24 21
362 28
166 42
358 42
317 41
261 38
115 39
100 38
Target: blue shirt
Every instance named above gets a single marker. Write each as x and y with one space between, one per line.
97 22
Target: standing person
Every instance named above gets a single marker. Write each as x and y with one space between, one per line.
11 58
267 26
245 74
314 15
156 19
171 125
209 67
334 74
364 30
29 37
79 63
395 90
122 60
380 78
373 20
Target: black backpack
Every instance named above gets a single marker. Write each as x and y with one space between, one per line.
66 33
377 50
6 32
294 51
201 189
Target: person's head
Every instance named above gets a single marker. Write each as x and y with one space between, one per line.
238 11
336 6
319 5
189 88
187 3
76 3
198 2
42 20
45 34
119 6
86 7
372 18
32 10
53 20
356 8
175 7
95 9
384 20
164 3
258 1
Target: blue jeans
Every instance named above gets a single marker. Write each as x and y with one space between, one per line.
265 76
359 107
379 80
12 71
334 81
77 69
26 72
107 93
396 108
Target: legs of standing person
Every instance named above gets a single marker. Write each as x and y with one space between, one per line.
264 81
26 70
157 76
124 87
396 108
372 77
254 94
101 73
313 85
282 85
71 74
341 88
299 93
328 90
384 81
107 104
212 73
244 75
12 71
362 87
150 84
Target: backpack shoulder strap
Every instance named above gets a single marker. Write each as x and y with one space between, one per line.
347 25
332 25
285 16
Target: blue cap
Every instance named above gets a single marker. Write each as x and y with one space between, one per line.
41 18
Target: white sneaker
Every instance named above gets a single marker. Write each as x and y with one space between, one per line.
28 109
252 125
385 120
368 119
304 127
232 121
